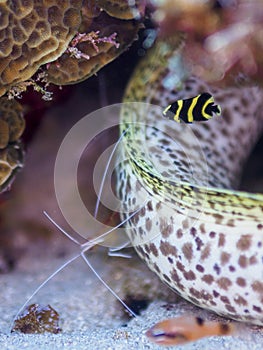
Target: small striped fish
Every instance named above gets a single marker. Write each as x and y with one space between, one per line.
199 108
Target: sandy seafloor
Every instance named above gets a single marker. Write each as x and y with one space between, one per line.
90 317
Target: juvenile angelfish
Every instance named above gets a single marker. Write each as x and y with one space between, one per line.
199 108
181 330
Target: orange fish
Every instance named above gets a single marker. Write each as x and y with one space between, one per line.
184 329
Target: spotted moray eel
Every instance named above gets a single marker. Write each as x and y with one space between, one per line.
199 234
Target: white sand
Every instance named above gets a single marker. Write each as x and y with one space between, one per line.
90 317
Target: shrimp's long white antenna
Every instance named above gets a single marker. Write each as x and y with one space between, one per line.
105 172
94 241
107 286
61 229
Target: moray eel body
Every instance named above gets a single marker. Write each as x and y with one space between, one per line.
199 234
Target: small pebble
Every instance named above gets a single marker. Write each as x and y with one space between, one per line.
37 319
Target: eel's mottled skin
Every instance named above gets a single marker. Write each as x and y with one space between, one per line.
196 231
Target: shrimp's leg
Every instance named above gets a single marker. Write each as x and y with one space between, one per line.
116 251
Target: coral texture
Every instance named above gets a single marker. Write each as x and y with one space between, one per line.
12 125
32 34
70 40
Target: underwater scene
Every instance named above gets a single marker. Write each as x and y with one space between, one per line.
131 174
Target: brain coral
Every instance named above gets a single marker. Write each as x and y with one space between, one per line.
33 33
12 122
69 69
74 37
12 125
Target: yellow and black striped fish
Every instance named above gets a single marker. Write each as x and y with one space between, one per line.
199 108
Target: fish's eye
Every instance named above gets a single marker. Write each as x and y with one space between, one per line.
199 321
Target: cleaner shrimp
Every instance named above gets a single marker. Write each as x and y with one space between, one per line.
85 247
